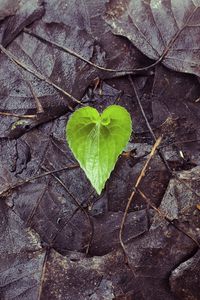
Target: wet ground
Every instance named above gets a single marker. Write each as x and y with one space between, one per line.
58 238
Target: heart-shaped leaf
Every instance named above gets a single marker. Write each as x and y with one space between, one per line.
97 140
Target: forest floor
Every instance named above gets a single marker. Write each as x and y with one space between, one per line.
140 239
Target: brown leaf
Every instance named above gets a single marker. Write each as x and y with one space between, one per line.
8 7
163 30
21 258
184 280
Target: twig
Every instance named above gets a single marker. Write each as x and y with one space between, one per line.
37 101
174 38
38 75
142 174
6 114
160 152
67 50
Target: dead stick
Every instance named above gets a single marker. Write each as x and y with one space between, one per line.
38 104
73 53
7 114
142 174
160 152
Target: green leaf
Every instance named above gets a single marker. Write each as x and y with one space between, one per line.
97 140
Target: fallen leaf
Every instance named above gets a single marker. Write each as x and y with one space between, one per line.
8 7
78 277
26 14
21 258
184 280
49 209
168 31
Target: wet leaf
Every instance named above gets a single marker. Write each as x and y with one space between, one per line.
46 212
7 8
166 30
21 258
78 277
97 140
184 281
26 14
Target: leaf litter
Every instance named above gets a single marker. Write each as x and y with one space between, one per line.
58 238
166 31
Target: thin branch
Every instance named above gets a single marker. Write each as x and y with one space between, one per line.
38 75
174 38
35 207
142 174
7 114
73 53
160 152
37 101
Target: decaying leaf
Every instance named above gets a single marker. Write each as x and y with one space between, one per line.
21 258
8 7
167 30
50 222
184 280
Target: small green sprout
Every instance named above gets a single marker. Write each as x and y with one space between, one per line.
97 140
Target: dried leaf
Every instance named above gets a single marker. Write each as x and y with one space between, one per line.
167 30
